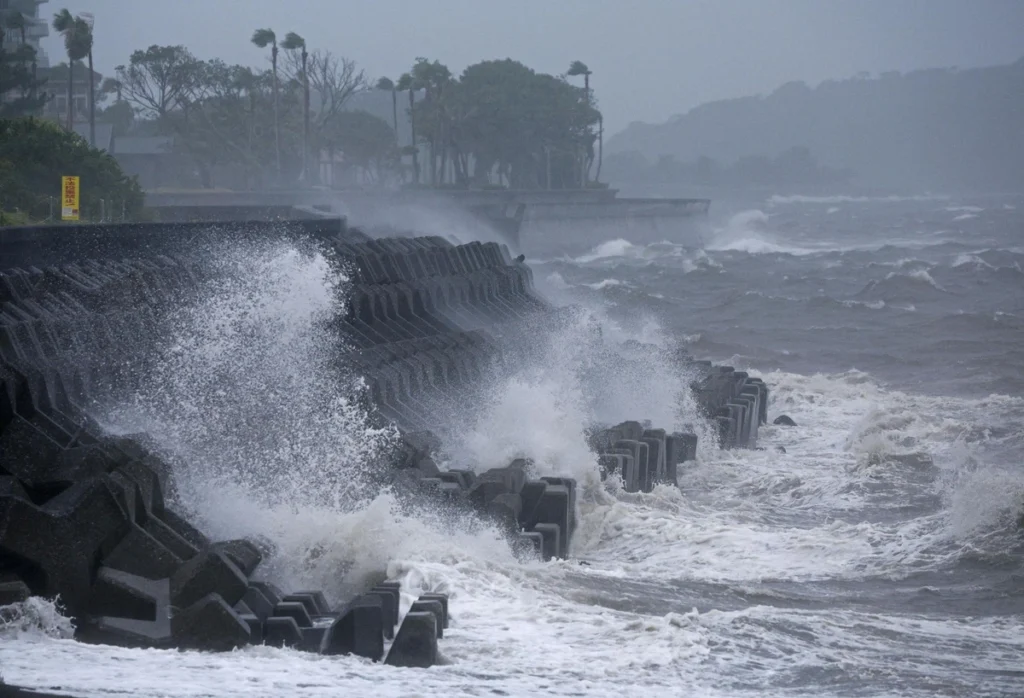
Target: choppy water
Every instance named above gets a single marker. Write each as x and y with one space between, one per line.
880 555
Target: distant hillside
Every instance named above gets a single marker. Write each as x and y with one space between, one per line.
930 128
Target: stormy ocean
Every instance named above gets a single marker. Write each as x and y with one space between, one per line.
875 549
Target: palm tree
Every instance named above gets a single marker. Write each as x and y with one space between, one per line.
389 84
435 79
406 82
263 38
293 41
77 44
580 68
87 19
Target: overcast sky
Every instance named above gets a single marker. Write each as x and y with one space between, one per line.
650 59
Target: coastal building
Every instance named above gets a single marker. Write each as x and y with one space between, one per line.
37 27
150 158
57 91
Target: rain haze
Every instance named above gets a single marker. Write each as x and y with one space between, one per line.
651 59
611 348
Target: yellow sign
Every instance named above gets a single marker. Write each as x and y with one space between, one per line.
69 192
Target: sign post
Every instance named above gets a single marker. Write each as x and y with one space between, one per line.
69 189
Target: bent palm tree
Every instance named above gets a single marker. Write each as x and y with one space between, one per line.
263 38
407 82
389 85
580 68
77 44
293 41
87 20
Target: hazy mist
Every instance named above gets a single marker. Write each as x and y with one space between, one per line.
651 59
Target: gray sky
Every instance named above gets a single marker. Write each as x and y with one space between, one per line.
651 59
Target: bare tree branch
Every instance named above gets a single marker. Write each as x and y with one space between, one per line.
160 79
332 82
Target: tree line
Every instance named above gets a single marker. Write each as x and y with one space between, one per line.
503 121
35 153
21 90
498 124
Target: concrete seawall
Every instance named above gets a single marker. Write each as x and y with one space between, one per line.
90 517
42 246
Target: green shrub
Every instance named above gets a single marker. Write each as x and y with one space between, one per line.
35 154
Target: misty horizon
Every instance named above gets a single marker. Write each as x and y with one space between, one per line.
742 48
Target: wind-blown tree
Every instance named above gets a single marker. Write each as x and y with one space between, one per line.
112 86
120 114
227 123
368 144
215 133
88 20
409 83
263 38
533 129
222 116
433 112
333 80
19 87
294 42
206 106
529 126
388 85
19 94
77 44
160 80
577 68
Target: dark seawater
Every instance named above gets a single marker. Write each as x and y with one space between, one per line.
879 555
895 327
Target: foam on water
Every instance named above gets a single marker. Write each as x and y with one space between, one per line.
611 248
265 431
920 275
845 199
743 518
747 231
859 447
606 283
33 618
910 285
783 554
579 378
971 260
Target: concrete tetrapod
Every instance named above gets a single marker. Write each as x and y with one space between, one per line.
83 516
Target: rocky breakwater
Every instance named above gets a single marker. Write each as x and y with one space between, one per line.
92 520
429 321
